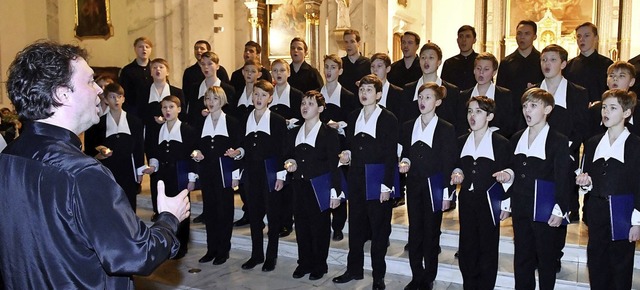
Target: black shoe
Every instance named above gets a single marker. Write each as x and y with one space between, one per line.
219 260
406 247
284 232
206 258
269 265
252 263
316 276
242 222
299 273
347 277
199 219
154 217
427 286
457 254
413 285
378 284
558 266
338 236
180 255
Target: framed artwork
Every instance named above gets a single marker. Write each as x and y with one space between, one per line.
286 21
571 12
93 19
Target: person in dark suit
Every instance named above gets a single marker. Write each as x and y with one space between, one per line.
313 150
354 64
136 76
263 146
610 164
482 152
340 102
521 69
196 108
219 133
505 116
303 76
118 142
193 75
391 94
151 113
428 153
458 69
407 69
539 153
252 51
589 68
169 150
430 60
372 138
636 63
286 103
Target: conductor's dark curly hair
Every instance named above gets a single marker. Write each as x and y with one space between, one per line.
35 75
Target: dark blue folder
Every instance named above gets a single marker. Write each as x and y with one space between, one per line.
544 199
494 198
436 188
621 209
182 172
271 169
226 169
322 189
374 174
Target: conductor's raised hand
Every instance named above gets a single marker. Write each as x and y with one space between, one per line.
178 205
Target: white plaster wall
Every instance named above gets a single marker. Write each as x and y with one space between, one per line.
445 20
635 30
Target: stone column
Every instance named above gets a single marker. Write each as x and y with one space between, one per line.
605 25
624 30
258 19
312 16
480 24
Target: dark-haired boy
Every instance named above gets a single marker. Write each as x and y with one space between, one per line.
193 75
252 50
354 64
303 76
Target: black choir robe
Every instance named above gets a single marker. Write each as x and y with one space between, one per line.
237 79
348 103
636 63
293 111
127 156
306 78
506 117
400 75
154 109
66 223
517 72
193 76
458 70
589 72
446 110
353 72
195 104
610 177
394 100
424 225
134 79
216 200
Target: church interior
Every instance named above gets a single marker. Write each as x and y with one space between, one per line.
174 25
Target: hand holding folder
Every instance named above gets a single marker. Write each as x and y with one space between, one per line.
620 209
436 188
494 198
544 199
374 174
322 189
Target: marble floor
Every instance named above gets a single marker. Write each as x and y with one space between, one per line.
187 273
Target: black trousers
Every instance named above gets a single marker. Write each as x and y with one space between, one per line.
286 213
340 213
261 201
218 204
367 219
313 229
610 262
424 233
479 239
535 247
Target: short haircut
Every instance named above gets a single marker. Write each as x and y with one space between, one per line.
212 56
468 28
530 23
105 78
415 36
538 94
352 31
143 39
484 103
622 65
627 99
299 39
36 73
371 79
383 57
206 43
253 62
432 46
265 86
487 56
440 91
593 27
255 45
564 55
161 61
218 92
172 99
317 96
333 57
113 88
281 61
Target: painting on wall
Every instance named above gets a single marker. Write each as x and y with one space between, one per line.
93 19
571 12
286 21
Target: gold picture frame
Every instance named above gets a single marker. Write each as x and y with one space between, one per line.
93 19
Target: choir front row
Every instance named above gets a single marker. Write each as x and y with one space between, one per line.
492 177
